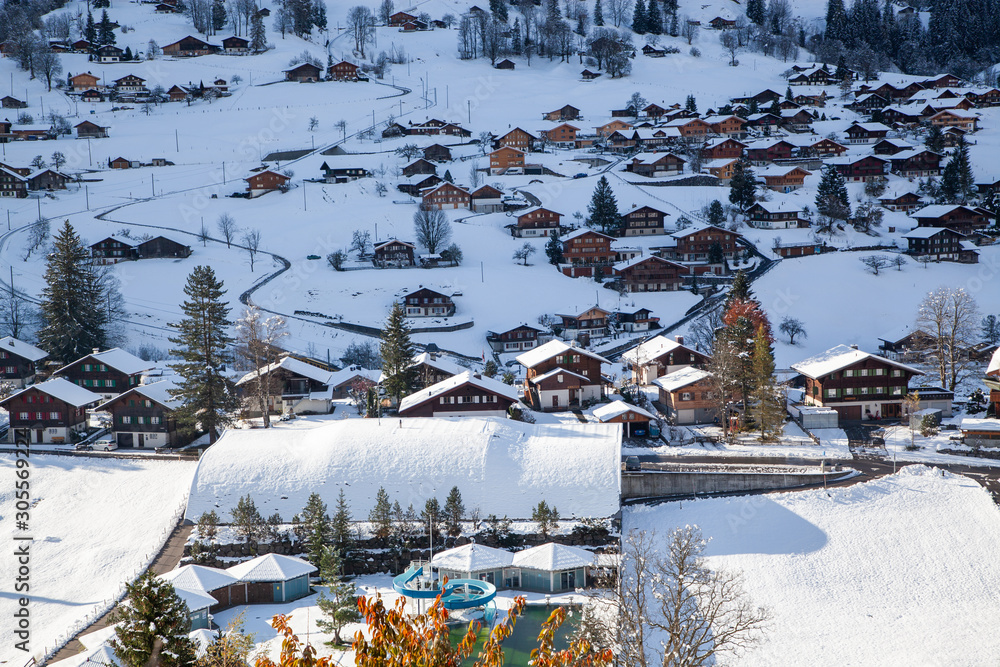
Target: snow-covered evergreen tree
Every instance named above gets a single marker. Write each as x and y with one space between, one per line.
397 354
603 208
153 626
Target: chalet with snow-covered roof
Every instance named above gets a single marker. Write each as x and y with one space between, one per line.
584 251
722 169
916 163
113 249
518 339
304 73
561 375
655 164
649 274
12 184
789 250
19 361
143 417
763 152
868 102
399 18
466 394
940 243
446 196
517 138
796 120
783 178
813 76
107 373
426 302
616 125
766 122
856 169
178 93
902 115
942 81
962 219
891 147
687 395
642 221
718 148
565 113
437 153
506 158
992 381
563 134
660 356
486 199
8 102
430 368
292 386
108 53
130 83
857 384
591 323
273 578
419 183
727 126
963 120
635 421
342 174
866 133
189 47
83 81
342 71
47 413
901 201
775 215
265 181
235 46
160 247
535 222
47 179
342 382
634 320
89 130
695 244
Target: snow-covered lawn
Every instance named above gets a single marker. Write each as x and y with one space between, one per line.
96 523
897 571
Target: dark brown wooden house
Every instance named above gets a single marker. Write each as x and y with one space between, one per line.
143 417
581 371
518 339
161 247
420 166
465 394
437 153
304 73
962 219
426 302
107 373
643 221
19 361
650 274
48 413
393 253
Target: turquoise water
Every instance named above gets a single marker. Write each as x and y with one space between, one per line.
517 648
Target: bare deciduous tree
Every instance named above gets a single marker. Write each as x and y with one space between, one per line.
731 43
251 242
257 340
524 252
227 228
875 263
792 327
950 316
432 228
361 24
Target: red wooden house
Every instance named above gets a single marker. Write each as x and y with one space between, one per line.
343 71
47 413
650 274
584 251
536 222
446 196
855 169
265 181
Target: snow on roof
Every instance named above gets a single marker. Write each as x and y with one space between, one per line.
337 378
444 386
651 349
22 349
936 210
581 232
779 206
556 371
780 170
551 349
851 159
681 378
928 232
156 391
911 153
501 466
618 408
980 424
118 359
271 567
64 390
472 558
871 127
195 599
553 557
653 157
994 366
292 365
199 578
14 175
438 362
629 263
840 357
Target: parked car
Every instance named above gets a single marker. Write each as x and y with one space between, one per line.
580 175
632 464
105 445
83 447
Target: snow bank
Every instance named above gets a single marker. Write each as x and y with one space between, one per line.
501 467
896 571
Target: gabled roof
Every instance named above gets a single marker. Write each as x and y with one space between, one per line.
467 377
271 567
937 210
580 232
63 390
654 348
338 378
617 408
629 263
994 366
557 371
385 243
440 363
22 349
292 365
683 233
199 578
553 557
778 206
552 349
840 357
928 232
13 174
681 378
158 392
116 358
472 558
869 127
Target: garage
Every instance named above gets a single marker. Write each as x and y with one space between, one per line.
849 412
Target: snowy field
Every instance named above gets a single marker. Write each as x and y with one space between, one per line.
913 586
96 523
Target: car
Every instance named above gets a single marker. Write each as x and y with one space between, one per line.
580 175
105 445
632 463
83 447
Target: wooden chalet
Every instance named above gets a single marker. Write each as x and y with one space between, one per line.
775 215
563 134
144 417
108 53
963 120
891 147
419 166
113 249
48 413
265 181
635 421
591 323
659 356
517 138
727 126
720 23
419 183
584 251
790 250
235 46
916 163
565 113
13 184
561 375
9 102
783 178
694 245
649 274
343 71
642 221
905 202
89 130
189 47
130 83
940 244
486 199
399 18
764 152
858 385
161 247
437 153
47 179
304 73
426 302
635 321
616 125
466 394
655 164
824 148
506 63
866 133
719 148
518 339
107 373
856 169
536 222
446 196
506 158
962 219
342 174
588 75
293 386
393 253
19 361
687 396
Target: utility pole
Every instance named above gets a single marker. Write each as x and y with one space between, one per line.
152 184
90 156
304 207
177 142
223 173
86 193
469 103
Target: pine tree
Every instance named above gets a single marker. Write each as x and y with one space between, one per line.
397 354
675 29
105 33
454 510
743 185
654 18
380 516
598 14
740 289
340 525
831 195
203 347
218 15
546 517
341 607
690 104
639 18
258 34
90 31
499 10
603 208
553 249
836 21
552 12
990 327
767 403
431 515
716 214
935 139
316 524
247 521
153 626
319 15
957 182
755 11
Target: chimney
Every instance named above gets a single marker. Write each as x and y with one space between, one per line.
478 376
97 350
854 346
679 339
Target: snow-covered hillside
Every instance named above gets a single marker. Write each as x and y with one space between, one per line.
891 572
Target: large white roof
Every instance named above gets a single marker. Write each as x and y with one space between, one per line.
681 378
936 210
840 357
501 466
64 390
199 578
551 349
291 365
928 232
118 359
980 424
156 391
994 366
22 349
343 375
553 557
271 567
616 408
472 558
195 599
446 385
651 349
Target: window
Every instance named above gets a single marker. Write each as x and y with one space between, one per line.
848 373
897 373
53 415
23 416
11 370
831 393
126 419
686 396
879 371
897 391
849 391
86 368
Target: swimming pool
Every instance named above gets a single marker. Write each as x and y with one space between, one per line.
517 648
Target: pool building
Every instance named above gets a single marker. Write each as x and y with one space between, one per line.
548 568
